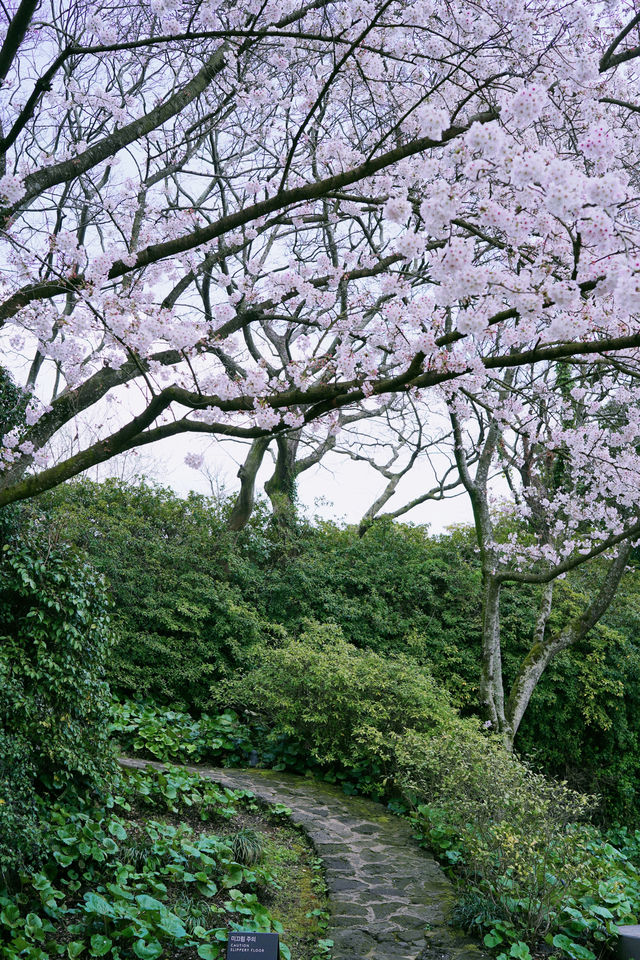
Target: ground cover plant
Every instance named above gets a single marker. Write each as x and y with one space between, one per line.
157 870
298 901
142 729
534 876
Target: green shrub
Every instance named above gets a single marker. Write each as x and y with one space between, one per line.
515 837
195 632
534 878
20 832
54 640
343 707
484 784
179 621
571 903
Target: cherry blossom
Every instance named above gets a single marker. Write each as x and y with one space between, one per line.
256 218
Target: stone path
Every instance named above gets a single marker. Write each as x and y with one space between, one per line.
390 900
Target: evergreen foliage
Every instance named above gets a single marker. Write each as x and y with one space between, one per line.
193 600
343 709
54 639
53 647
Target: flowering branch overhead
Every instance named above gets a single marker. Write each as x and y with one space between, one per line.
243 220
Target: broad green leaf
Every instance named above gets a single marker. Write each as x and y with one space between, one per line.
578 952
117 830
601 912
208 951
100 945
94 903
63 859
561 941
119 892
575 950
492 939
172 925
146 902
11 916
33 926
147 951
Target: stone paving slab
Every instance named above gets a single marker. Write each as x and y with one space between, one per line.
389 898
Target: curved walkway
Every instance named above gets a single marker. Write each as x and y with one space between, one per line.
390 899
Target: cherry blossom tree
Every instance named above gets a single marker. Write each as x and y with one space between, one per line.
567 441
549 457
270 220
238 220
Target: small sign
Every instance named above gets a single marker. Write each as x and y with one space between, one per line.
245 944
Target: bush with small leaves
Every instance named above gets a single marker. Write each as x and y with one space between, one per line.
533 870
21 837
340 707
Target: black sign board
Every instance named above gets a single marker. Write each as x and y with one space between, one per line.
243 945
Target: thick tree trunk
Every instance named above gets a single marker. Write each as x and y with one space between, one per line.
531 668
281 486
243 506
491 686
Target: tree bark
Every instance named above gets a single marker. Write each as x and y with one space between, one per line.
248 472
491 688
543 651
491 685
281 486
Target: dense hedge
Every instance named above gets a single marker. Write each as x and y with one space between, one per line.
54 709
193 599
180 619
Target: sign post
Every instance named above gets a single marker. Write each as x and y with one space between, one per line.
244 944
629 943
